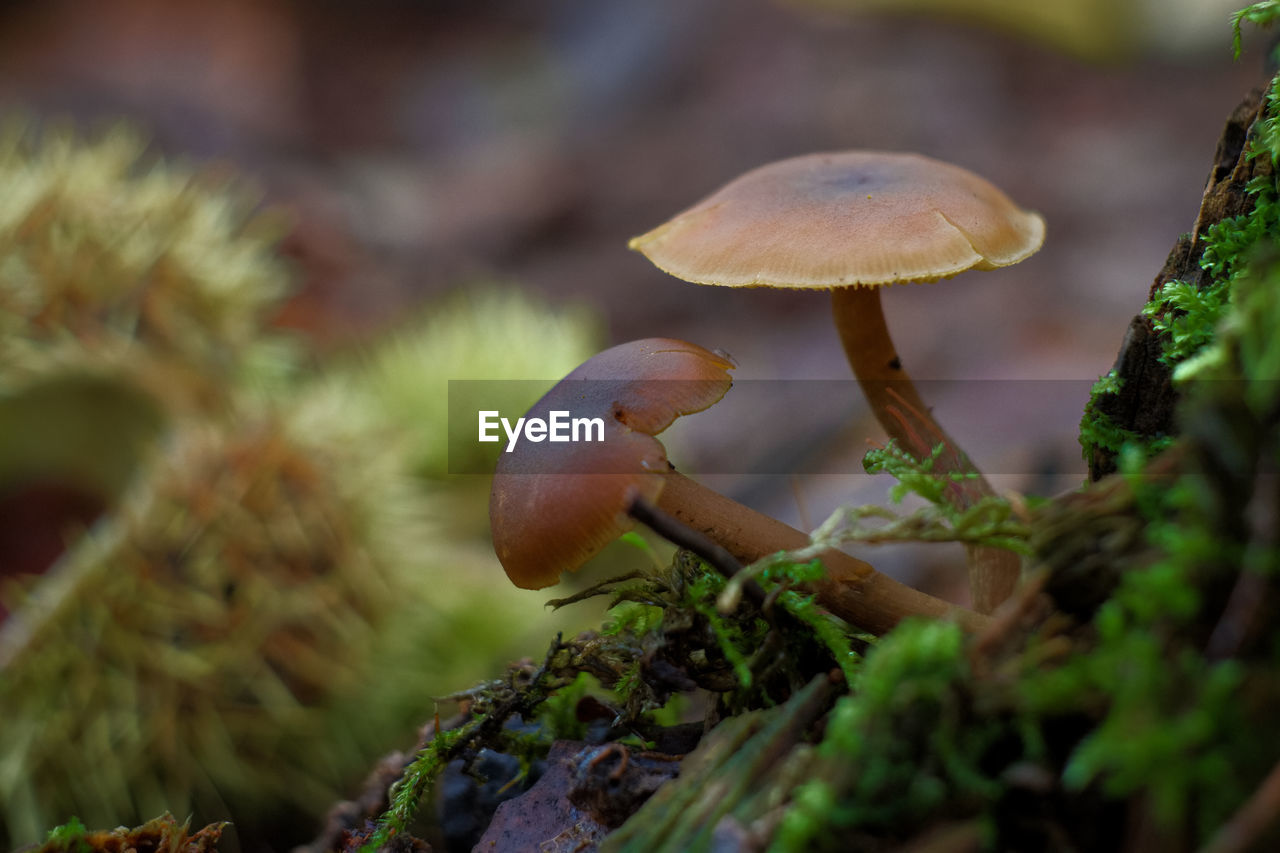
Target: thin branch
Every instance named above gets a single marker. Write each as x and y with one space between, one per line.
1254 817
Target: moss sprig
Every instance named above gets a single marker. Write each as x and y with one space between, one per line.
831 632
1261 14
1099 431
521 693
990 521
734 637
914 476
1186 316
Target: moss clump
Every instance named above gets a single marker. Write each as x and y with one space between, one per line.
1099 433
903 749
669 634
1187 316
1181 673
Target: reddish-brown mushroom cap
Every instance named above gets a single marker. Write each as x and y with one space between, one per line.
847 218
555 505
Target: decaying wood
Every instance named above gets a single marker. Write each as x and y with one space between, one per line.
1146 400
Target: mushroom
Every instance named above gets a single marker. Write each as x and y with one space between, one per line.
851 222
555 505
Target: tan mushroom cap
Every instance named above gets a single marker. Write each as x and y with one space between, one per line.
845 218
553 506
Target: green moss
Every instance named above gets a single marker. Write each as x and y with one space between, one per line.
1267 133
69 837
898 748
558 716
914 476
734 637
1186 316
632 617
522 693
778 575
629 682
1249 349
1177 723
987 522
1108 383
827 629
1171 722
418 779
1262 14
1099 432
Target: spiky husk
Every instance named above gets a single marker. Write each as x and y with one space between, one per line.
187 650
114 259
270 599
507 348
272 604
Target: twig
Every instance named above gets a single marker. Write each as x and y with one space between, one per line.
1259 811
680 534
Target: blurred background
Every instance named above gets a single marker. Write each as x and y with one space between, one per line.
421 147
424 149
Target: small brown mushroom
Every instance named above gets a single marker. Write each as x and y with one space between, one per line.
851 222
554 506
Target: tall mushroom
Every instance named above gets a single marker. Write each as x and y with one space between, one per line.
851 222
555 505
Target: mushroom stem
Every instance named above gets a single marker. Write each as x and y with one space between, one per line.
993 572
852 589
